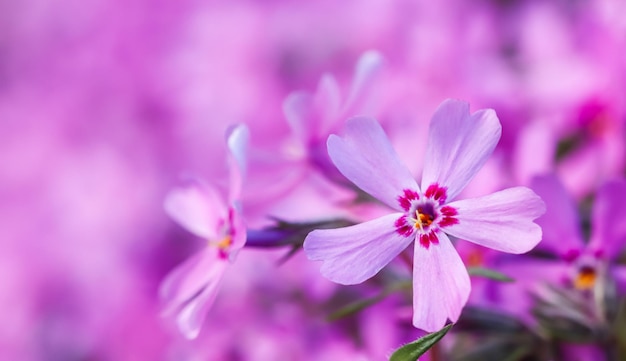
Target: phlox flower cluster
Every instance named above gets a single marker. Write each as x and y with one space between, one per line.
279 180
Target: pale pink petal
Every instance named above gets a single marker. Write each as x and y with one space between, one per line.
608 219
502 220
458 145
198 208
369 65
237 140
560 223
189 278
192 315
441 285
311 117
326 108
353 254
365 156
298 109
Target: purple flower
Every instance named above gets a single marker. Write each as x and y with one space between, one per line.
190 289
459 144
584 263
312 117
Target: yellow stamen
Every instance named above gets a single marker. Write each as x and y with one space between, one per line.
586 279
425 219
418 222
224 243
422 220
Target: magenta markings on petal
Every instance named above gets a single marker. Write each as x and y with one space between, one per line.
425 216
407 197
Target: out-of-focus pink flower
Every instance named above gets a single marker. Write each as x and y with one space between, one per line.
572 83
584 263
578 266
459 144
301 171
190 289
313 117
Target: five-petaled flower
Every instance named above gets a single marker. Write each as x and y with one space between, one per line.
190 289
459 143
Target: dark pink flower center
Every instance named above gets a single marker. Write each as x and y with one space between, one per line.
425 215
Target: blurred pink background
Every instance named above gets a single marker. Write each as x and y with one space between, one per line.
104 105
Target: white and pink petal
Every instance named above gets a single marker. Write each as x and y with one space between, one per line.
298 110
198 208
326 105
502 221
459 144
441 285
192 314
351 255
365 156
368 66
189 278
237 140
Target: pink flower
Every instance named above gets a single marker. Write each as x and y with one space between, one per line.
583 263
459 143
190 289
578 265
312 117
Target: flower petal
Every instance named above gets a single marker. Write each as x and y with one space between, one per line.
441 285
609 213
198 208
365 156
298 108
458 145
192 315
190 289
326 106
312 116
189 278
560 224
369 65
353 254
502 220
237 141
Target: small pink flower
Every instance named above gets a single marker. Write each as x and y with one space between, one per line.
190 289
459 143
584 263
312 117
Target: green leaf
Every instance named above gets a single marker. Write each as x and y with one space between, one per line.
412 351
488 273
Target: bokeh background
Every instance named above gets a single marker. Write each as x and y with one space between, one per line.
104 105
